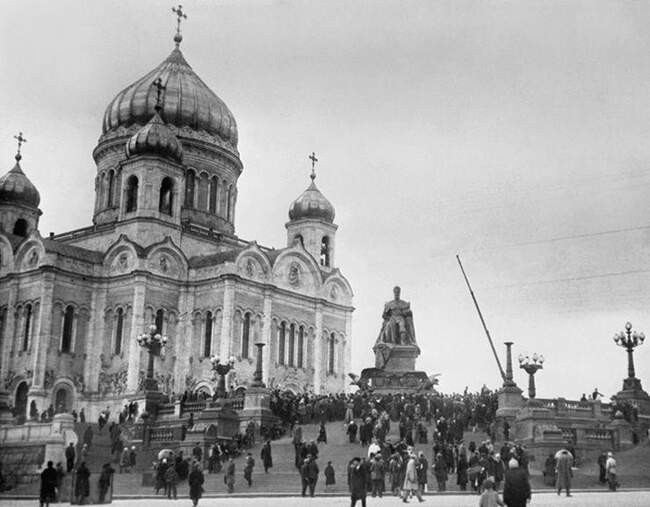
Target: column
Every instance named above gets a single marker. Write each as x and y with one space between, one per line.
9 337
266 335
347 350
43 331
318 349
137 328
226 322
182 342
95 338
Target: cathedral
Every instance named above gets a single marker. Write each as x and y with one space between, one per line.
162 250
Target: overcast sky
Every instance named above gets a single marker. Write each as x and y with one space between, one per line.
514 133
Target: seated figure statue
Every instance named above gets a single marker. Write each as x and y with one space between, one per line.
397 328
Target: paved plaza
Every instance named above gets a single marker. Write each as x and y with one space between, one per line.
604 499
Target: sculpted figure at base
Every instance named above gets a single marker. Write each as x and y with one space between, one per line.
397 328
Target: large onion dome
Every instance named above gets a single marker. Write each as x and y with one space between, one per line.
188 105
15 187
155 139
312 204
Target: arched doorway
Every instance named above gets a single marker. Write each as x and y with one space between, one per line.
62 399
20 403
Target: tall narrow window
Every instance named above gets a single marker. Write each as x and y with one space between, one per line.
325 251
330 362
66 337
160 314
131 194
301 346
207 342
214 182
281 342
119 328
245 336
190 180
166 193
292 343
228 203
28 327
111 188
298 239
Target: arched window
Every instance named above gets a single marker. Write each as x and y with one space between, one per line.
281 342
212 204
119 329
245 336
111 188
131 194
160 315
20 227
325 251
28 327
292 343
298 239
190 183
166 192
207 341
66 337
301 346
330 358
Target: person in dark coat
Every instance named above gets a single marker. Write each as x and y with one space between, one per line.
265 456
461 472
248 469
105 481
564 462
322 434
329 476
602 460
352 431
357 482
195 482
309 475
70 455
48 485
516 490
229 477
82 484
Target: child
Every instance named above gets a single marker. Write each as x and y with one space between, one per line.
329 476
489 498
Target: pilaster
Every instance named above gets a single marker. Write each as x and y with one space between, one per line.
226 323
318 349
96 326
44 329
182 342
137 327
266 335
9 337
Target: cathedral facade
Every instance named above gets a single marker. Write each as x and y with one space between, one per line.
162 250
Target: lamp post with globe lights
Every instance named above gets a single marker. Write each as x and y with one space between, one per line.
531 365
153 342
629 340
221 369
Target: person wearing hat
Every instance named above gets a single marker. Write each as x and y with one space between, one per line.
563 472
610 472
357 481
516 490
125 461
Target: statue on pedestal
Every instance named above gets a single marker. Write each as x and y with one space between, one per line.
396 330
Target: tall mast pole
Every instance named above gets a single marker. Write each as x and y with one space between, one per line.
503 375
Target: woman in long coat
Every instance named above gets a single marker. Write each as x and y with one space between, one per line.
229 478
563 464
266 457
82 484
195 481
411 480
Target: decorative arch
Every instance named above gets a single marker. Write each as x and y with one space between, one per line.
6 253
166 259
30 253
337 289
253 263
203 386
122 256
295 269
63 395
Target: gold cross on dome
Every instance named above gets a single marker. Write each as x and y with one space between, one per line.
179 14
313 159
159 88
21 140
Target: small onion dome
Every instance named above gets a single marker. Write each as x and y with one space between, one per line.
15 187
186 101
155 138
312 204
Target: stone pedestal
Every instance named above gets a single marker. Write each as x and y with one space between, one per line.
61 434
152 399
634 393
535 428
622 433
257 408
394 370
222 416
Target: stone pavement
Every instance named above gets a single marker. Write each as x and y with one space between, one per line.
605 499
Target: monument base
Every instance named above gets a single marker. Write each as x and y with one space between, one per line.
6 417
394 381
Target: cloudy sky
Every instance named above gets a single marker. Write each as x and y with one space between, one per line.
514 133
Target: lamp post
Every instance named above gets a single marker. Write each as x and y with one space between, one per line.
153 342
531 365
222 369
629 340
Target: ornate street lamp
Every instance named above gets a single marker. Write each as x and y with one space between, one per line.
629 340
222 369
531 365
153 341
